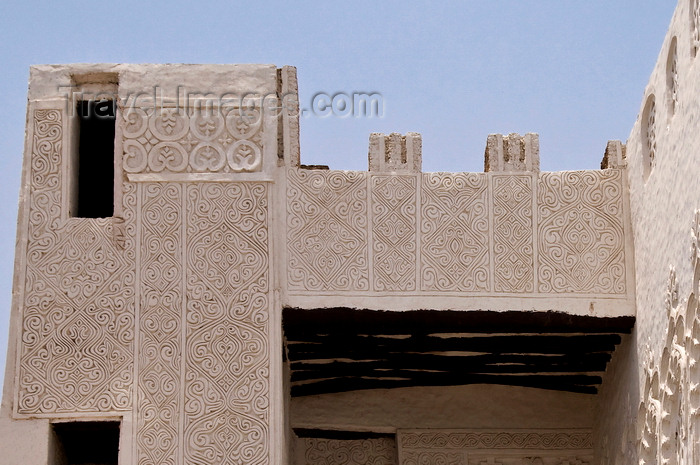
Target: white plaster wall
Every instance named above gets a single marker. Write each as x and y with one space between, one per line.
24 442
140 81
614 431
662 211
473 406
663 206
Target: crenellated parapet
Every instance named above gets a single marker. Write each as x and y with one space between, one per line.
615 155
394 236
512 153
395 153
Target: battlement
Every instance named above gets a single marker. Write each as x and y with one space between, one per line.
394 153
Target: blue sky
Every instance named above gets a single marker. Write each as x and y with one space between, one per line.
572 71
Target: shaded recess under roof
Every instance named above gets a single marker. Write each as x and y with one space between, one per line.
342 349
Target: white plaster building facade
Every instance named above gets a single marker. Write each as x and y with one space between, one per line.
201 297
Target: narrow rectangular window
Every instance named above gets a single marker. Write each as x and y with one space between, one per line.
94 175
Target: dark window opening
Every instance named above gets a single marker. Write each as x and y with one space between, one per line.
87 442
95 170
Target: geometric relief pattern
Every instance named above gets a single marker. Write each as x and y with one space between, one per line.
77 318
454 232
160 323
327 230
554 447
580 232
198 140
227 392
377 451
512 233
394 232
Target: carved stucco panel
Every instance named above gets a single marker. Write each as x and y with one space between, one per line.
204 347
77 325
227 385
454 232
394 232
192 140
375 451
512 233
327 230
160 324
580 233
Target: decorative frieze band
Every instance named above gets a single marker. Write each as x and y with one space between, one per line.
550 440
475 447
322 451
490 233
196 140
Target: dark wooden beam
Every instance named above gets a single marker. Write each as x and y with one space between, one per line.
441 362
355 347
299 322
383 369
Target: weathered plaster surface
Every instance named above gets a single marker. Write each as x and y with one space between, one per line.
473 406
24 442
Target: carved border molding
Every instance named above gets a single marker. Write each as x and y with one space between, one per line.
321 451
479 447
552 440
